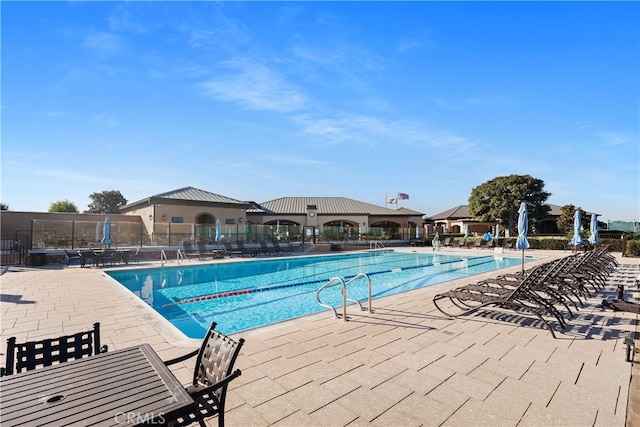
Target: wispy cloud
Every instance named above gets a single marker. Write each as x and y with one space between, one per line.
254 86
375 131
104 44
616 138
105 120
290 159
340 63
409 44
66 174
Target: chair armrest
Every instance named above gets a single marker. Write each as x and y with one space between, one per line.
195 392
182 358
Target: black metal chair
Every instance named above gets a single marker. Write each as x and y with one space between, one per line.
211 377
32 354
108 256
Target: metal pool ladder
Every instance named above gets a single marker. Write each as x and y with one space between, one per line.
344 283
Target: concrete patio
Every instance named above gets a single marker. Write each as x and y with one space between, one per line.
405 364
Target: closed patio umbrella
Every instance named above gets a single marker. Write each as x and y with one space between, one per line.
522 243
497 231
577 240
417 231
594 239
218 230
466 231
106 232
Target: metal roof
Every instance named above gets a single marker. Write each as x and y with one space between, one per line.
328 206
196 195
458 212
190 196
462 212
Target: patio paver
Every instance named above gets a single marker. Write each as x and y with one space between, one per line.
404 364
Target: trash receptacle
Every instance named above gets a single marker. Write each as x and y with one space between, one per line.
37 258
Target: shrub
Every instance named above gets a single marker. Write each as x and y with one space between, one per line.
633 248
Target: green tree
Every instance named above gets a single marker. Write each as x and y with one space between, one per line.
63 206
106 202
4 207
499 200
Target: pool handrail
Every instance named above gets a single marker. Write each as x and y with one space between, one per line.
344 294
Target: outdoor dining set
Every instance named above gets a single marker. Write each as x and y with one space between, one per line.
98 257
74 380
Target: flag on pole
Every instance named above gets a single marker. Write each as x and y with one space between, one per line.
392 201
403 196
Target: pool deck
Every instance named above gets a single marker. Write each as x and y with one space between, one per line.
405 364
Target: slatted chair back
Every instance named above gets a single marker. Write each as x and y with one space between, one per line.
32 354
211 378
216 358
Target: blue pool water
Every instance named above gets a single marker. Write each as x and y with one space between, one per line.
243 295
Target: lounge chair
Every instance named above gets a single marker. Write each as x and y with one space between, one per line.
209 253
211 377
553 289
70 256
507 244
462 243
447 241
229 250
282 249
189 252
478 243
247 250
521 299
32 354
266 249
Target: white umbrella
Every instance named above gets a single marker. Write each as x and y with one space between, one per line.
522 242
466 231
417 231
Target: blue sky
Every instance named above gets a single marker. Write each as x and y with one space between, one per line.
262 100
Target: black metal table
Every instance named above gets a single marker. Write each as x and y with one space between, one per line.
124 387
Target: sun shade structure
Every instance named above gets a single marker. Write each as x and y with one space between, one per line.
523 223
594 239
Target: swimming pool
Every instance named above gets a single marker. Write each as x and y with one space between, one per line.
249 294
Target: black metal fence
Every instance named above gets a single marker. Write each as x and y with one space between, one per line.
14 246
